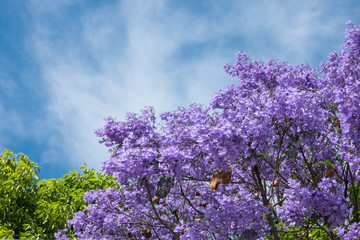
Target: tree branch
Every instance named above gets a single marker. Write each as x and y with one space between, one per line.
182 192
155 211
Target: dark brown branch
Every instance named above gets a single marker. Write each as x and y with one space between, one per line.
182 192
313 175
157 235
356 203
156 213
279 174
265 201
208 180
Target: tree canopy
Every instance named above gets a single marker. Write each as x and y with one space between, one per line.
33 209
275 156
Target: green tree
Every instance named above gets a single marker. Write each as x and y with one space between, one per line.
18 193
37 209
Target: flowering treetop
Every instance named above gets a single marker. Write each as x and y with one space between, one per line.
276 155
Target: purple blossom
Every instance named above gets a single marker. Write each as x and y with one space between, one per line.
288 135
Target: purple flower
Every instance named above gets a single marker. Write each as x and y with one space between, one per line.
289 134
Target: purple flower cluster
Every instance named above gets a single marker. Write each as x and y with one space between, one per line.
353 232
326 203
279 149
341 85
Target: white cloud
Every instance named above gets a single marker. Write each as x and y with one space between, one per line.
125 55
293 31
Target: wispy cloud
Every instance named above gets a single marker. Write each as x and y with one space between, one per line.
119 57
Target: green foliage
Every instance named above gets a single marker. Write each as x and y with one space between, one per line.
5 233
18 192
295 232
61 198
32 209
355 193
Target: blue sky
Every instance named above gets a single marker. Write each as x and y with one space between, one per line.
66 65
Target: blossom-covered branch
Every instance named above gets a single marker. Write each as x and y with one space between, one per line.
275 156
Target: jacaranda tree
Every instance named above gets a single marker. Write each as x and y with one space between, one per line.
276 156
